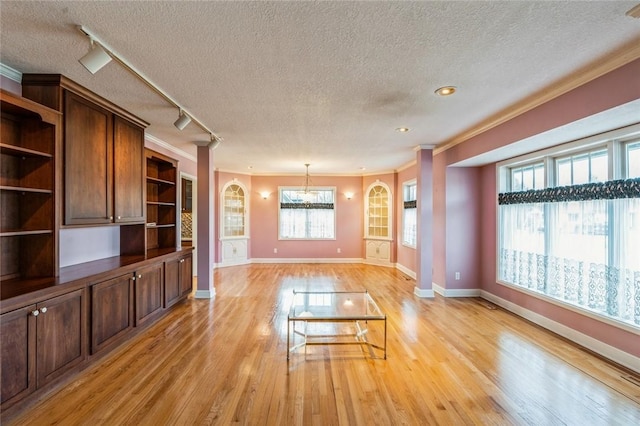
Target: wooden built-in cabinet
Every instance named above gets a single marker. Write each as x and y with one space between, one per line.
149 287
41 342
111 310
28 224
162 214
178 279
55 321
103 150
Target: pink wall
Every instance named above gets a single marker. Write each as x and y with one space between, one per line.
463 221
406 256
615 88
264 220
440 220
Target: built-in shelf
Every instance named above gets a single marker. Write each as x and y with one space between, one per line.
158 203
25 189
18 233
28 225
161 201
18 150
156 180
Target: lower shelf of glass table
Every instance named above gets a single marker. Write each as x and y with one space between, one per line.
335 318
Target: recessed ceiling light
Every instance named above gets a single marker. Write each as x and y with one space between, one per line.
402 129
446 91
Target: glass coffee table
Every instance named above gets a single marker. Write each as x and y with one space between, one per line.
333 308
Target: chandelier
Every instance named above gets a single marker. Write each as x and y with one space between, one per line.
306 195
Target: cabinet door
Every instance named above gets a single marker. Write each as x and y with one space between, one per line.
172 285
149 286
111 310
88 165
186 275
128 156
18 350
60 335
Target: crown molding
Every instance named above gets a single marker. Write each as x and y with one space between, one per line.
10 73
170 147
630 52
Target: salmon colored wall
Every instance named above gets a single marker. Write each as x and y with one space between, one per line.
616 88
406 256
439 220
264 220
462 223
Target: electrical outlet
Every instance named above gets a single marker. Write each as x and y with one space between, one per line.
275 250
457 276
339 250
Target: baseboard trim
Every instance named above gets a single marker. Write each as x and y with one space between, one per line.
205 294
406 271
616 355
423 293
305 260
456 292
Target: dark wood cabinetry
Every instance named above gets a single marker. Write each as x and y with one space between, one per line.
40 343
111 311
161 200
178 279
149 286
88 154
28 225
104 153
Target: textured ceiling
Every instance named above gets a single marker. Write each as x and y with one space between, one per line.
326 83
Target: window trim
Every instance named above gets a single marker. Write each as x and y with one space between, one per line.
312 188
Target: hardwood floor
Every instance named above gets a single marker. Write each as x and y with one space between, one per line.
450 361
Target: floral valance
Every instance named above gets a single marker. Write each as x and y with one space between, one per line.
315 206
410 204
613 189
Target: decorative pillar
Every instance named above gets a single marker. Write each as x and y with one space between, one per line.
206 222
424 246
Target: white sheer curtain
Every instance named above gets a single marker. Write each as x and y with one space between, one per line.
307 223
589 256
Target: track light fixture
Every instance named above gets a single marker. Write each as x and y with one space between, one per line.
101 49
215 141
182 120
95 59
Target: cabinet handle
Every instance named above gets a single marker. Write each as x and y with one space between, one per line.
119 217
35 313
140 276
43 309
181 260
110 217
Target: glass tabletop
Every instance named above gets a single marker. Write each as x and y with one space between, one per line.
333 305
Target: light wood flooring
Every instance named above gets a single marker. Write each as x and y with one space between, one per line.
450 362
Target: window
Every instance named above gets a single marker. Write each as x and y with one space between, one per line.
575 239
409 214
527 177
307 215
